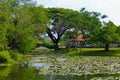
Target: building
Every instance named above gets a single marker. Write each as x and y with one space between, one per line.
78 41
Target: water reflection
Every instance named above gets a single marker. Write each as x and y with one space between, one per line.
75 77
32 70
18 72
4 72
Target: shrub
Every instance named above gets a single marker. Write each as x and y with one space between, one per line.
5 57
16 55
19 56
5 72
2 60
26 44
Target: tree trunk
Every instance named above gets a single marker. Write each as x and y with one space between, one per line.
56 46
76 46
107 47
80 47
12 44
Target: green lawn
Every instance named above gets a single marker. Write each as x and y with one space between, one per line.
85 51
95 52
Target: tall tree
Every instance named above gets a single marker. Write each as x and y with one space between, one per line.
59 23
118 32
109 34
5 13
86 23
91 24
40 20
17 25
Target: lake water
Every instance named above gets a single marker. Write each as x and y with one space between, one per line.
40 68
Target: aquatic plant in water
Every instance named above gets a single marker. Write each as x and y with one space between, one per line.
61 65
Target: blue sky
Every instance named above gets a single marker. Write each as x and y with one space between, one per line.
108 7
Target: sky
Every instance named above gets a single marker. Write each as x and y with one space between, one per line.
107 7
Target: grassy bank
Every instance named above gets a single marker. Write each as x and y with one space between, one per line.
83 52
91 52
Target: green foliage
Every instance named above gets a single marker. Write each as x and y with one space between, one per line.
21 23
39 15
5 55
23 73
4 12
3 40
40 21
60 23
17 72
86 23
90 25
20 36
27 44
109 33
17 25
19 57
16 55
118 30
4 72
3 60
47 43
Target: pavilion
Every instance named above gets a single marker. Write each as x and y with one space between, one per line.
78 41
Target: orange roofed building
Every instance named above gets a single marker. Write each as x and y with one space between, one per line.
79 41
78 38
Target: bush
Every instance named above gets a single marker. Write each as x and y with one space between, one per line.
3 60
16 55
26 44
5 57
4 72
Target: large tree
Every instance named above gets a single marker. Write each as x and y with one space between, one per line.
59 23
86 23
91 24
118 32
4 22
40 21
16 26
109 33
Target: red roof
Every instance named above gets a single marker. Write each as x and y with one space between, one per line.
78 38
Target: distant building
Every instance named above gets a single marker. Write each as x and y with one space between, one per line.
78 41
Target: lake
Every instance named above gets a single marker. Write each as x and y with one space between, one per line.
57 67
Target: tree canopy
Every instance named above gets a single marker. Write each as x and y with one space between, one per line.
18 24
109 34
59 18
22 23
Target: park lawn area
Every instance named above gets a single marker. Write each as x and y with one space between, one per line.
95 52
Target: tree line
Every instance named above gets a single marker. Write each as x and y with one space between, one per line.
22 23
